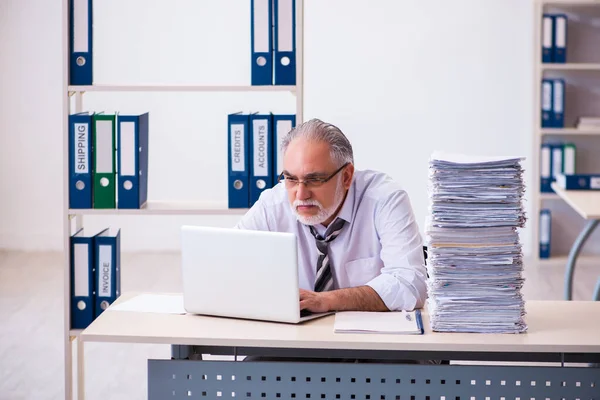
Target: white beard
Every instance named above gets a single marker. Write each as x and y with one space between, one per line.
324 213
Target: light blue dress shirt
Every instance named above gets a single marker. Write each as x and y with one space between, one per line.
379 246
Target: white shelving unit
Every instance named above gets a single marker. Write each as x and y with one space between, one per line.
166 208
179 88
577 66
74 219
570 66
570 132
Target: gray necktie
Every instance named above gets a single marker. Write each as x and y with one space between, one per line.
324 280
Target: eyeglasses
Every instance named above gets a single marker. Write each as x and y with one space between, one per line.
309 183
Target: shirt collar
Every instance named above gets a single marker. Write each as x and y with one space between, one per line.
347 209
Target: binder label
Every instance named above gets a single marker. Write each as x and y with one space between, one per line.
238 160
282 128
545 159
595 182
285 26
81 149
261 26
80 26
569 160
545 228
261 151
557 161
558 96
546 96
547 35
82 278
104 147
561 31
105 265
128 150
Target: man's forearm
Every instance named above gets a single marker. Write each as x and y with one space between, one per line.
362 298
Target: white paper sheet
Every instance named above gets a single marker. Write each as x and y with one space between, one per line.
470 158
156 303
377 322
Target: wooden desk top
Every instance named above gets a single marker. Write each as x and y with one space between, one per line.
585 202
554 326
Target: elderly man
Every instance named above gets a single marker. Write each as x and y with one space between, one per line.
358 243
359 246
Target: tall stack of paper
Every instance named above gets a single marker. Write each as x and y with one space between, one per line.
474 252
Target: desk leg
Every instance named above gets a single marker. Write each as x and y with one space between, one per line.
80 370
574 253
181 352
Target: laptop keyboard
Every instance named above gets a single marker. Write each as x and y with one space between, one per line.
305 313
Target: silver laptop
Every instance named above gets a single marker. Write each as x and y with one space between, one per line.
242 274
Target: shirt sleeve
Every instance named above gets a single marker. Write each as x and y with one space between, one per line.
255 219
402 282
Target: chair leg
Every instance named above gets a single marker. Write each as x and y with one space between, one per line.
180 352
574 253
597 291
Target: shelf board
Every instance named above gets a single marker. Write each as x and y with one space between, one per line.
570 131
570 66
180 88
166 208
569 2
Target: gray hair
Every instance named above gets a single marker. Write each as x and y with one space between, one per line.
317 130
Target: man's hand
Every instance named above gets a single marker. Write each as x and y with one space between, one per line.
362 298
313 301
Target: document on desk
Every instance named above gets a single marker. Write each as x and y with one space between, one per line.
153 303
396 322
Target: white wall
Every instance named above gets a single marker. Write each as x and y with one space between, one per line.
399 78
30 124
405 78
